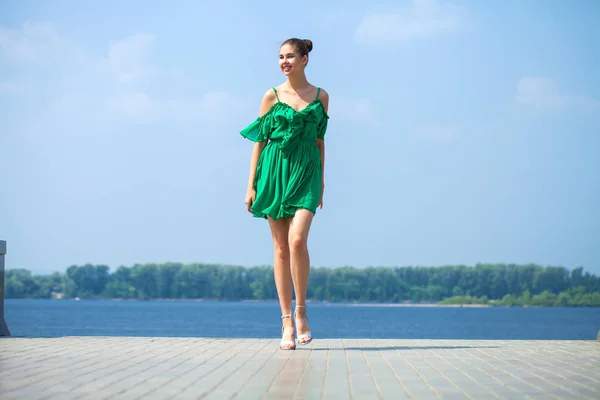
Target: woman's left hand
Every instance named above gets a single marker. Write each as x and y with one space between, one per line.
321 201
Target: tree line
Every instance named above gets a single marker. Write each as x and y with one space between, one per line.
494 284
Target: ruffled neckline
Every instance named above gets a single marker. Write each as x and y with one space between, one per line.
308 106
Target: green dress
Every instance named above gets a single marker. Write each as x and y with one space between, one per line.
289 171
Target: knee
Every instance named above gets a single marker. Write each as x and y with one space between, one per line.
282 251
297 243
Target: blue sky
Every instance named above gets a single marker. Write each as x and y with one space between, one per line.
460 131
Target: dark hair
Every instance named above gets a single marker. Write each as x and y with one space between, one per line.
302 46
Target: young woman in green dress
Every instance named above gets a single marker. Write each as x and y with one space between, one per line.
286 181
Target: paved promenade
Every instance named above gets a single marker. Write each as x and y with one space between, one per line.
189 368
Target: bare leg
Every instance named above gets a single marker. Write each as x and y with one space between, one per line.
300 264
282 275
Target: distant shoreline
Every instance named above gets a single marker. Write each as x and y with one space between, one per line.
333 303
484 285
326 303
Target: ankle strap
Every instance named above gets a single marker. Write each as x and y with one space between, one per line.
297 305
286 316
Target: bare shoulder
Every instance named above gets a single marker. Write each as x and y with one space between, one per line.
269 95
269 98
324 97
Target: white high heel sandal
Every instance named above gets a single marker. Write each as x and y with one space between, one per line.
304 335
284 343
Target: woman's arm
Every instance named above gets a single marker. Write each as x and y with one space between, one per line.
256 150
321 146
266 103
324 97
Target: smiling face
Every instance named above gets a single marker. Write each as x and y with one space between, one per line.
290 61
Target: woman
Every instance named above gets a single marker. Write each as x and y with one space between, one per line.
286 179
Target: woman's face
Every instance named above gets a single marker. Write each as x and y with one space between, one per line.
289 60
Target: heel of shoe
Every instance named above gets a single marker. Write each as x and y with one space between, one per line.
284 343
308 335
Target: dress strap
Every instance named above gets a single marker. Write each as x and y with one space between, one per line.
318 91
276 95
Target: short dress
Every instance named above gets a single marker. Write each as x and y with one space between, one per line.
289 171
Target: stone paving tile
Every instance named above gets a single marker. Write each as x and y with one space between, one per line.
210 368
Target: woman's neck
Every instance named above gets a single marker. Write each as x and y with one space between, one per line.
298 82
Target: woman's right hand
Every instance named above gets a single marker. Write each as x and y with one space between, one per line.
250 197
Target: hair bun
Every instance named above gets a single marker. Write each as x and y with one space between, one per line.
309 44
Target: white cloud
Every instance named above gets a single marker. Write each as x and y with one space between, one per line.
216 103
128 58
9 87
436 133
106 85
542 93
358 110
31 42
423 18
131 103
211 107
